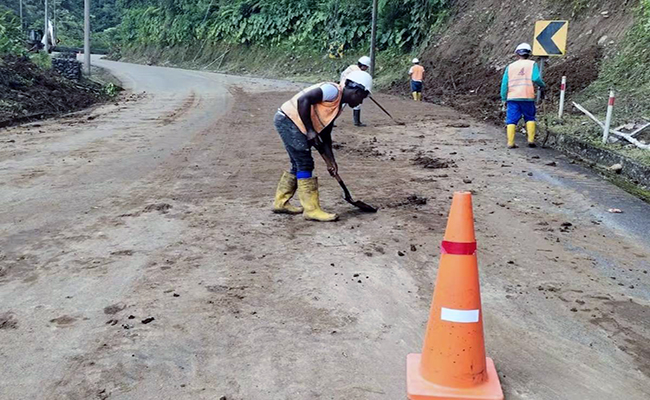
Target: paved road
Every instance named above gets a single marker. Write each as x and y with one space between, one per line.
157 206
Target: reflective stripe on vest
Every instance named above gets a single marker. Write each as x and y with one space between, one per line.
348 71
520 80
322 114
418 73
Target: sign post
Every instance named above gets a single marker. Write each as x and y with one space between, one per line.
373 37
608 119
560 111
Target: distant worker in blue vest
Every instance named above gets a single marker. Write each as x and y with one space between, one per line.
417 79
518 94
362 65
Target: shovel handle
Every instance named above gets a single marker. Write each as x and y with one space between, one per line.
348 196
382 108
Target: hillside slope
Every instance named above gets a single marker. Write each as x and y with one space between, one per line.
465 63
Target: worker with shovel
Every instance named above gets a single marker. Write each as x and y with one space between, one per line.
518 94
362 65
305 121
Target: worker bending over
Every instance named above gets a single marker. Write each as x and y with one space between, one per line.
518 91
417 79
305 121
362 65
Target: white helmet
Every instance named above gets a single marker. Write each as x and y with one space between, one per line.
416 61
365 60
524 48
361 78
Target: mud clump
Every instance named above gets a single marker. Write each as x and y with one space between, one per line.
458 125
412 200
8 321
114 308
432 163
64 320
162 207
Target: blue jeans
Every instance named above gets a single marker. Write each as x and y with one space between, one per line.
517 109
296 144
416 86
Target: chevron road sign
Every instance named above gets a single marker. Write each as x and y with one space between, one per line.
550 38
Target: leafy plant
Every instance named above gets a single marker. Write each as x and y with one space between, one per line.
10 36
322 25
42 60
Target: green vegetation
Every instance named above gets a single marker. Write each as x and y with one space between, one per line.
314 24
628 72
303 39
10 36
69 19
41 60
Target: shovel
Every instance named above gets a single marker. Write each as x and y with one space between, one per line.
348 197
387 113
548 132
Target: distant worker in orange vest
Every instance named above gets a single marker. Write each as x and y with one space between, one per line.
518 93
362 65
417 79
305 121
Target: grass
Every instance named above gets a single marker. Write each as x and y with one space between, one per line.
628 73
42 60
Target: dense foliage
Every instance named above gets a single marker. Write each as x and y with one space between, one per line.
627 70
315 24
69 17
318 24
10 37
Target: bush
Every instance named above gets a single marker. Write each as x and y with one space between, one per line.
330 25
10 35
627 71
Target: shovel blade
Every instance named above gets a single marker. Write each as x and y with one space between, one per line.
363 206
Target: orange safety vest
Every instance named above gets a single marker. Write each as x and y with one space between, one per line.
418 73
520 80
322 114
348 71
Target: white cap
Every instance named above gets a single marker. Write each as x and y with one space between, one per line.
524 47
416 61
361 78
365 60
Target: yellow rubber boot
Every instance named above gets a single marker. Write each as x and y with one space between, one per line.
285 191
419 96
511 132
415 96
308 195
531 127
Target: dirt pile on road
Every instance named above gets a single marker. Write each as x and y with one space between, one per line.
27 92
432 163
466 61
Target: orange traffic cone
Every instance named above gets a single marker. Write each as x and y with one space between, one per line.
453 363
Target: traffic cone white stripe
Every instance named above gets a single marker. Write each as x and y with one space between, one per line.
461 316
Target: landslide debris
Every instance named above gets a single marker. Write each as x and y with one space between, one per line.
28 92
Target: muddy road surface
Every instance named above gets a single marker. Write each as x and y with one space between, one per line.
139 258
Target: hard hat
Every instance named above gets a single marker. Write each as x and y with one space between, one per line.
416 61
523 49
360 79
365 60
